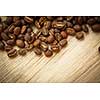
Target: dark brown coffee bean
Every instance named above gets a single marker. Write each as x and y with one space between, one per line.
43 46
69 24
77 28
28 19
37 51
48 53
1 45
11 42
8 48
21 36
55 48
12 53
9 20
36 42
47 24
17 31
15 18
91 21
29 30
79 20
64 34
4 36
63 42
20 43
27 37
70 31
96 27
50 39
11 28
23 29
79 35
85 28
58 36
22 52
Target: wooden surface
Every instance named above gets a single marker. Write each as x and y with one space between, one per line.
79 61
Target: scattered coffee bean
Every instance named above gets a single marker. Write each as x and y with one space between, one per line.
12 53
79 35
64 34
85 28
50 39
36 42
37 51
77 28
4 36
44 46
17 31
96 27
22 52
28 19
63 42
48 53
55 48
70 31
11 42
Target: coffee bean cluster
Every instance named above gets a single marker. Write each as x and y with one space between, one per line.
51 35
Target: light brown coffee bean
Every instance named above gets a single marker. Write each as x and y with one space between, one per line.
23 29
36 42
58 36
47 24
43 46
48 53
79 35
70 31
11 28
28 19
55 48
20 43
63 42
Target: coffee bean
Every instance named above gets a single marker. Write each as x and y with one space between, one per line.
96 27
20 43
47 24
11 42
22 52
45 31
1 45
9 20
85 28
23 29
36 42
44 46
70 31
79 35
29 30
27 37
37 51
64 34
56 30
48 53
58 36
4 36
11 28
69 25
63 42
20 36
28 19
17 31
12 53
55 48
91 21
42 38
50 39
37 24
79 20
77 28
28 46
8 48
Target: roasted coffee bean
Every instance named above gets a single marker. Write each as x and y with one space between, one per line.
59 18
28 19
79 35
42 38
55 42
50 17
28 46
58 36
85 28
37 24
9 20
56 30
63 42
22 52
77 28
50 39
42 20
17 23
69 25
79 20
20 43
91 21
29 30
4 36
52 31
12 53
11 28
43 46
96 27
11 42
48 53
15 18
8 47
64 34
23 29
21 36
37 51
27 37
1 45
55 48
45 31
47 24
36 42
17 31
23 22
70 31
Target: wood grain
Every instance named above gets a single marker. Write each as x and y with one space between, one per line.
79 61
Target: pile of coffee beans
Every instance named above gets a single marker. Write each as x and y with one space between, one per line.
50 37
